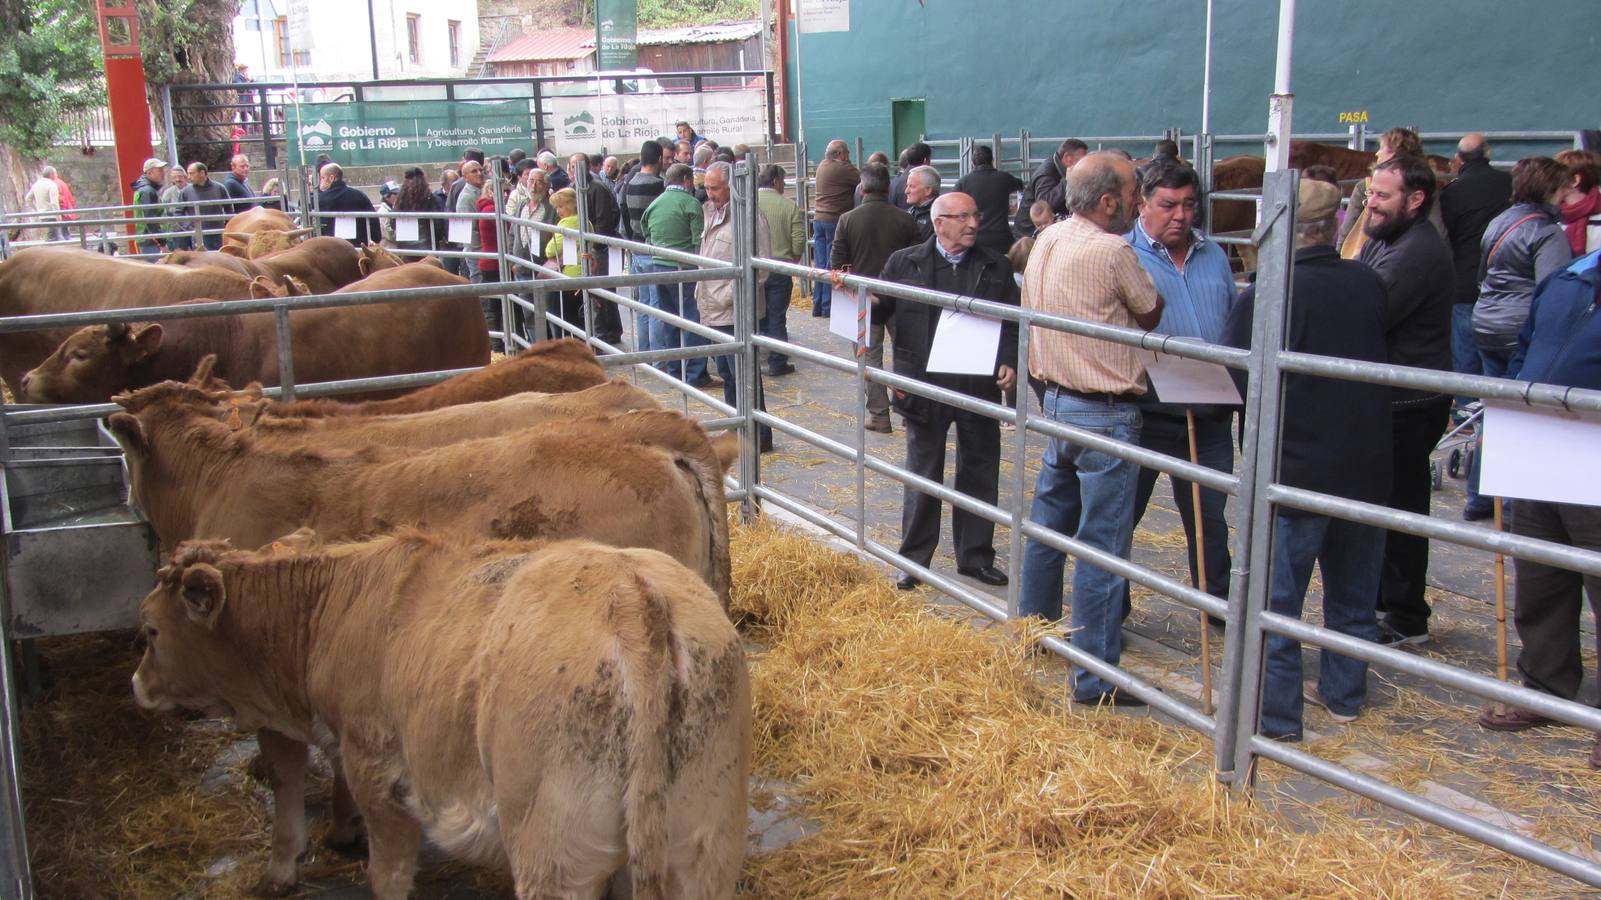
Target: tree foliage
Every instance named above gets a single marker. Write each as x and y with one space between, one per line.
668 13
49 68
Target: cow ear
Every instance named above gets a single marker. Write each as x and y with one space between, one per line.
128 432
303 538
234 250
294 287
147 340
261 288
203 594
364 265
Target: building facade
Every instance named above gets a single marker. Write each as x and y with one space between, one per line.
311 40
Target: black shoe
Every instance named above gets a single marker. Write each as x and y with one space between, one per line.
1113 697
1471 513
985 574
781 369
764 444
907 582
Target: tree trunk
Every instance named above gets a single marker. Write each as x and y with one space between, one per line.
15 177
203 119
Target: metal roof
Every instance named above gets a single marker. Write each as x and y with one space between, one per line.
700 34
553 43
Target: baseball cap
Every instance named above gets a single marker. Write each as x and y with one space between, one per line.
153 163
389 187
1319 200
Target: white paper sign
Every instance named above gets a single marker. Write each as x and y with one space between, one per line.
818 16
345 227
965 344
1536 453
842 317
588 124
569 251
461 231
614 261
1180 380
406 230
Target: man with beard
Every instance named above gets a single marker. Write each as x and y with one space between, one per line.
1083 268
1415 265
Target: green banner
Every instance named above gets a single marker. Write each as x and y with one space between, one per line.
616 27
379 133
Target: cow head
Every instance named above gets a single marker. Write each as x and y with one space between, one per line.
93 364
263 287
375 257
188 661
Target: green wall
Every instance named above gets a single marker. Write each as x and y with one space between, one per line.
1134 67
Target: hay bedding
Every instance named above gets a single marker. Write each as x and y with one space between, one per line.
927 752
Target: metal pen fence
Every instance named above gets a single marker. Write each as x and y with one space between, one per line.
179 225
1233 728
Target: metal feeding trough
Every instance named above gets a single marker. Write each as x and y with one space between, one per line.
77 557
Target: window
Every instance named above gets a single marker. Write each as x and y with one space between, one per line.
280 34
414 37
455 43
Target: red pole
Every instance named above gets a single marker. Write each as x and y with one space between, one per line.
125 91
781 65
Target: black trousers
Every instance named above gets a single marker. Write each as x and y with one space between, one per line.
1550 601
1415 429
1214 442
978 463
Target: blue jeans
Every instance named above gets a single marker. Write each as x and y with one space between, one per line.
822 247
1496 364
1089 495
776 325
646 294
725 369
678 299
1464 353
1351 557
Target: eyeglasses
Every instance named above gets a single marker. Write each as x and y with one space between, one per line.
966 215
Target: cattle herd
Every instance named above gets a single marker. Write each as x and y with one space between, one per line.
499 603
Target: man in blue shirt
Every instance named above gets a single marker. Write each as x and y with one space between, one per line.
1192 274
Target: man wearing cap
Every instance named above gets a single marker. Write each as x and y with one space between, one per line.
1335 440
387 193
147 203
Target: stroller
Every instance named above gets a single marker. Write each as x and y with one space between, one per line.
1463 443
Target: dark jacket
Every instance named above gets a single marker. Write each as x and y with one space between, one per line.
1561 341
146 200
1335 435
558 179
866 238
341 197
238 189
923 215
1529 245
1048 183
1468 204
1420 282
992 190
215 214
602 208
897 191
984 274
430 232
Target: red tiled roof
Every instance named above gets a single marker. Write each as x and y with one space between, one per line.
554 43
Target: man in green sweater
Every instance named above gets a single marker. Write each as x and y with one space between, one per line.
674 220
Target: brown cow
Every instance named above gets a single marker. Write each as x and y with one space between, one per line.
435 428
322 264
548 367
44 280
239 231
568 710
341 342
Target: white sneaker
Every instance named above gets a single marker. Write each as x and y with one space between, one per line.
1313 697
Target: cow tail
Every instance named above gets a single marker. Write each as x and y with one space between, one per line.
647 684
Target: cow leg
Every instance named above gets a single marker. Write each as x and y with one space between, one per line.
393 835
345 835
285 763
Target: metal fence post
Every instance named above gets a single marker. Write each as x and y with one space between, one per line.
1023 152
803 200
1019 475
581 188
964 156
1253 544
502 268
861 150
172 131
1357 140
864 327
745 374
286 355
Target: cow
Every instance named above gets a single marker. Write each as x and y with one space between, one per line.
435 428
99 361
45 280
276 229
569 711
322 264
548 367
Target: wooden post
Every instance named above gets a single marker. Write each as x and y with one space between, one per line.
1200 570
1500 603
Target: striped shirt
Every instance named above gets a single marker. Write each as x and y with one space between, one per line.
1197 300
1079 271
637 195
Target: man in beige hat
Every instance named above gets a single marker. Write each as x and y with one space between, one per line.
147 203
1335 439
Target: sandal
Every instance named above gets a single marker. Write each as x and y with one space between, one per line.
1499 717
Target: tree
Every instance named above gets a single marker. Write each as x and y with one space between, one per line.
189 42
49 69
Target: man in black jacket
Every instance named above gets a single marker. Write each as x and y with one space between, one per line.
953 263
922 187
237 183
1415 265
338 197
916 155
1335 439
1049 183
601 208
866 237
992 190
1479 194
